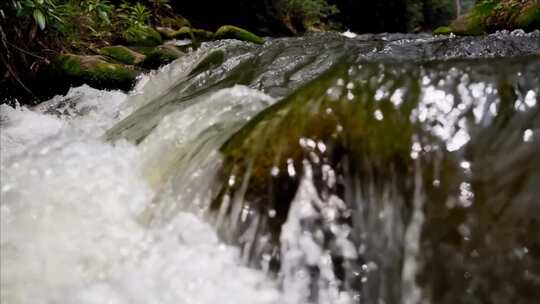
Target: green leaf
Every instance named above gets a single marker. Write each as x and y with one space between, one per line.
40 19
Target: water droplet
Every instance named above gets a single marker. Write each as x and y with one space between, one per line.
232 180
527 135
321 146
274 171
465 231
465 165
378 115
530 99
397 97
290 168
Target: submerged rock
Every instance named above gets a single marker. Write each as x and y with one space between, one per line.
122 54
233 32
93 70
367 149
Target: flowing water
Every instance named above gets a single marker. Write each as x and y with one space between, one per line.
330 168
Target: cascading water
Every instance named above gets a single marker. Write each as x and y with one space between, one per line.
322 169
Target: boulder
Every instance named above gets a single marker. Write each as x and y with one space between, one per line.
442 30
233 32
161 55
183 33
193 33
166 32
203 34
95 71
142 36
122 54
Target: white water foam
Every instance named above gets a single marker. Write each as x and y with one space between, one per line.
70 205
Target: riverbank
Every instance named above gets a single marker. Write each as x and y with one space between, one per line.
93 42
489 16
107 44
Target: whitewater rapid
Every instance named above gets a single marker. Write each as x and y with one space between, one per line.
71 207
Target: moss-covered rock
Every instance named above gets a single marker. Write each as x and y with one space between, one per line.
183 33
322 123
161 55
193 33
233 32
142 35
475 22
443 30
122 54
469 25
529 17
203 34
166 32
93 70
493 15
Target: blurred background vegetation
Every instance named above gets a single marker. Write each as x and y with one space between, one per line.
33 31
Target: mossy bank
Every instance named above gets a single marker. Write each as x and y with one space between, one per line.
492 15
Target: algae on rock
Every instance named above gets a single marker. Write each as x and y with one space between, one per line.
93 70
161 55
142 36
492 15
233 32
166 32
122 54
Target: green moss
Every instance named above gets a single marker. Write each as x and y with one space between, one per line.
183 33
529 17
94 70
443 30
161 55
142 35
122 54
233 32
493 15
166 32
469 25
203 34
193 33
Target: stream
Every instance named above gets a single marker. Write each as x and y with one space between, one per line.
330 168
